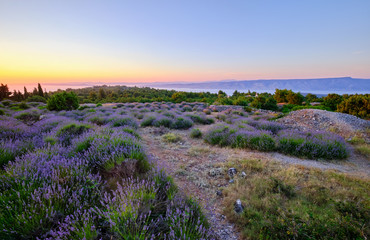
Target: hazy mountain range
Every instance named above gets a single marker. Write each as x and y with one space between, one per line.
319 85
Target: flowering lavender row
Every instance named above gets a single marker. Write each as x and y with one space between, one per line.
273 137
59 178
313 145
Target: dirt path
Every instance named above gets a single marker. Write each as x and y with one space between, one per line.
189 162
199 169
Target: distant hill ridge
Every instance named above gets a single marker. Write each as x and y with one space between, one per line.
315 84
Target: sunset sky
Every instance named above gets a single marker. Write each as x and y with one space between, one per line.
143 41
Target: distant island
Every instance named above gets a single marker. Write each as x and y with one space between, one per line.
315 85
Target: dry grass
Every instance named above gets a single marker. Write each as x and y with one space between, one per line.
360 145
294 202
197 151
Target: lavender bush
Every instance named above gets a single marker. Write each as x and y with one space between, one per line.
259 140
312 145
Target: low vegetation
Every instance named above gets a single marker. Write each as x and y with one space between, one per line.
83 173
266 136
357 104
297 203
171 137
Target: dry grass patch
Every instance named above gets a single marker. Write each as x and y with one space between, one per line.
360 145
199 151
294 202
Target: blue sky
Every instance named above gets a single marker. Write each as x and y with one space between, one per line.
141 41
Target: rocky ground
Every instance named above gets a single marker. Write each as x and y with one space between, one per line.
342 124
199 169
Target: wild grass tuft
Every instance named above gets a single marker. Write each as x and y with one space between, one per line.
297 203
171 137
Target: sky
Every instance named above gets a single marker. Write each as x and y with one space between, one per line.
153 41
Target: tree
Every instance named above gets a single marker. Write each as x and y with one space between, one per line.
241 101
4 92
101 94
35 92
236 94
178 97
221 94
263 101
92 95
332 100
17 96
63 101
25 94
358 105
280 95
294 98
36 98
40 92
311 98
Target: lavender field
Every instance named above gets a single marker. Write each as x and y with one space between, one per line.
84 174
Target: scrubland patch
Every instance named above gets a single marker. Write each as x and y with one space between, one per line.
293 202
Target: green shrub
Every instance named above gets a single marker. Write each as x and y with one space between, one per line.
358 105
218 135
207 111
258 140
247 109
84 107
119 122
171 137
66 133
29 116
63 101
2 112
148 121
181 123
36 98
332 100
131 131
23 105
195 133
163 121
292 107
264 102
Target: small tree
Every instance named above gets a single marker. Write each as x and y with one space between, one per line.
264 101
281 95
311 98
25 94
358 105
40 92
294 98
101 94
4 92
332 101
63 101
